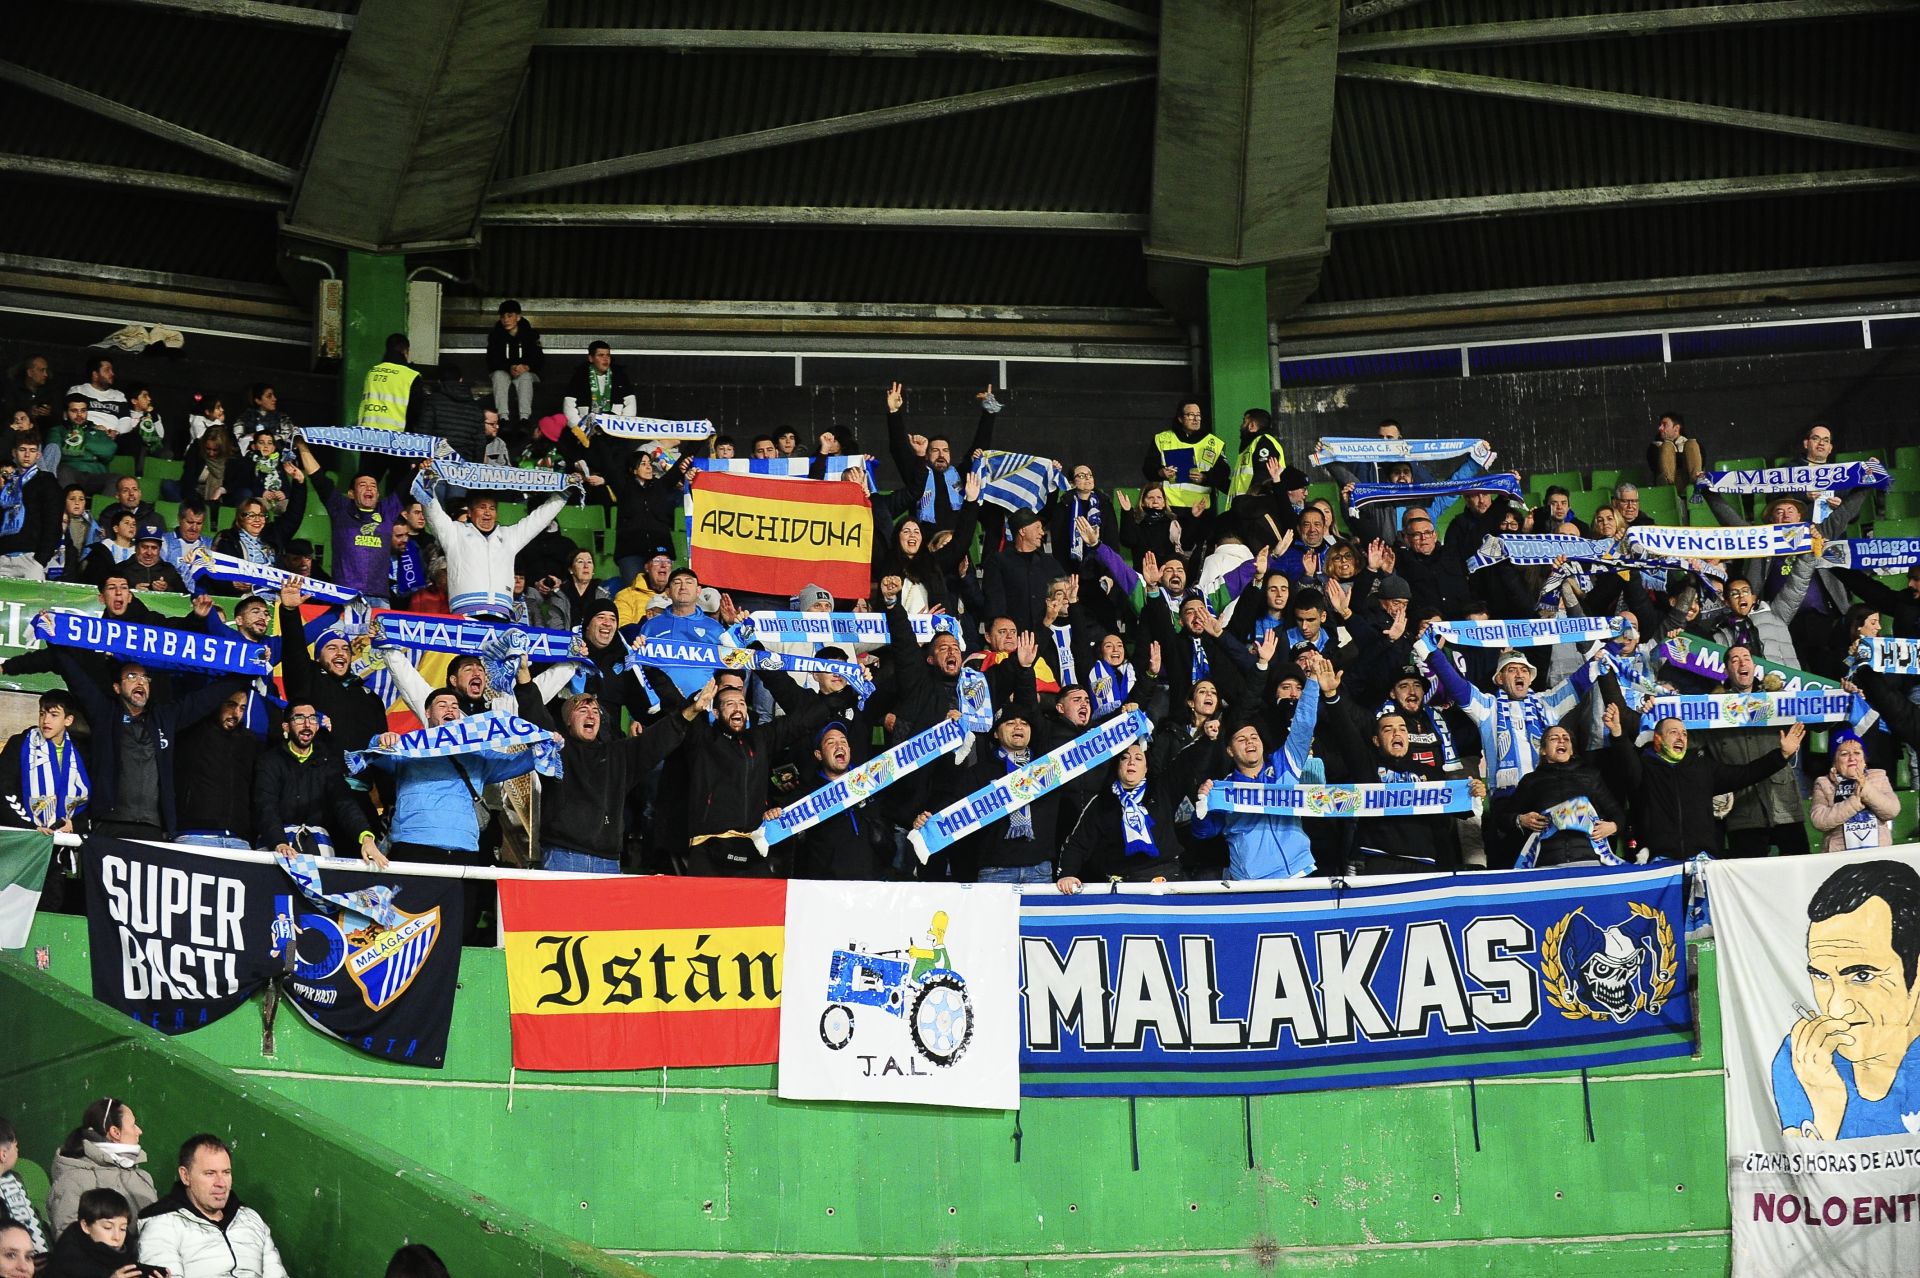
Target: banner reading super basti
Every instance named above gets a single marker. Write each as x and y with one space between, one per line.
1820 1007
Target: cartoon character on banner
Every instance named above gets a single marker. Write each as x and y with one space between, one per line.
918 985
1617 972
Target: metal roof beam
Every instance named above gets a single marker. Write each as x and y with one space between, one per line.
1628 103
1596 25
870 44
1117 14
803 215
812 130
166 130
1363 11
146 180
280 15
1463 208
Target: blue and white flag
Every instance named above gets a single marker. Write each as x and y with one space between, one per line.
949 736
974 696
1888 656
650 427
1875 555
1752 541
202 561
1400 798
1018 481
1404 494
373 903
1828 478
1343 448
493 734
1756 709
1019 788
789 467
1537 633
518 479
857 629
157 646
673 654
366 439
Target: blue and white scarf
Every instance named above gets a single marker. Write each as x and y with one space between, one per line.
1752 709
202 561
1827 478
1888 656
493 735
1136 823
1529 549
365 439
1405 494
471 634
844 628
924 509
374 904
650 427
53 782
1753 540
483 478
1576 815
1068 671
156 646
1018 481
1404 798
13 503
1343 448
675 654
974 696
947 737
1872 554
1079 508
1020 818
1537 633
1199 667
1047 773
407 573
1110 687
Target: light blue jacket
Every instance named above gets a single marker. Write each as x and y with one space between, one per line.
1261 846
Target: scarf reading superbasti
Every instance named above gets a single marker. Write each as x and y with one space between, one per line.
492 735
152 645
1507 483
1365 449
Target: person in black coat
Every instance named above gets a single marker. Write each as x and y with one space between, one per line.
214 776
1081 501
450 411
1018 577
1671 787
646 508
930 472
854 844
1561 776
302 782
924 685
514 361
1017 846
598 385
1127 833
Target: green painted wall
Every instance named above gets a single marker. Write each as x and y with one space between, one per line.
705 1172
376 305
1239 376
338 1201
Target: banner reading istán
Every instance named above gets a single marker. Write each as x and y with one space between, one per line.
773 536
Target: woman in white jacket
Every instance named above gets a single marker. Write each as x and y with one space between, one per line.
103 1152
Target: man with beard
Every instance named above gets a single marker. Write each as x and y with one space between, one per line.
925 688
1016 846
1071 719
853 844
301 802
1199 650
1564 807
926 463
215 776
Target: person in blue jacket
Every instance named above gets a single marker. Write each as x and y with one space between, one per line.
1262 845
682 622
433 807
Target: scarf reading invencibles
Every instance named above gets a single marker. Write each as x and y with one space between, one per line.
947 737
371 903
1888 656
481 477
1136 823
1506 483
365 439
1826 478
1362 449
1753 541
494 735
1537 633
53 780
1752 709
1576 816
847 628
650 427
1047 773
203 561
13 506
675 654
1405 798
1109 686
1874 555
152 645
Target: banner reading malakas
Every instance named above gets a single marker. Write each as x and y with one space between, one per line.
1136 993
640 973
773 536
1820 1009
901 993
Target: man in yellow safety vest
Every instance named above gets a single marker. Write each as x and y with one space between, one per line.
1188 459
387 399
1258 444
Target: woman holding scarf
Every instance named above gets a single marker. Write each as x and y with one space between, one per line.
1126 835
1853 805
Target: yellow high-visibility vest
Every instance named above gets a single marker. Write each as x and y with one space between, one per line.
1206 451
1243 475
383 403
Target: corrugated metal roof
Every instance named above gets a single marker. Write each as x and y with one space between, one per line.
976 17
182 235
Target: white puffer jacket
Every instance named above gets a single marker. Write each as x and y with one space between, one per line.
480 565
188 1245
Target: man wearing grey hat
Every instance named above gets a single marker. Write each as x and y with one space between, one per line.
1018 576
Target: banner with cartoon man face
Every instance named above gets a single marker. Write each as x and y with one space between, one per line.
1820 1003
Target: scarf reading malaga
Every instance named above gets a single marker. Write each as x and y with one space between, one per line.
862 783
1365 449
493 735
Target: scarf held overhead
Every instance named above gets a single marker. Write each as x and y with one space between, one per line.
494 734
650 427
1751 709
366 439
674 654
1343 448
1529 634
847 628
1873 554
1506 483
1828 478
1753 541
203 561
152 645
862 783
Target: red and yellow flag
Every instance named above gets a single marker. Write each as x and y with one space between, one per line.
637 973
772 536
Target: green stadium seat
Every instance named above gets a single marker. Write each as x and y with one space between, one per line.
121 464
1567 479
1907 458
34 1180
1854 457
582 519
1902 503
1906 479
1663 504
1585 503
169 512
1738 463
1605 481
1909 527
158 469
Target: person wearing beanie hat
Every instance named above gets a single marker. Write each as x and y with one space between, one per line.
1018 845
1017 577
1429 741
849 844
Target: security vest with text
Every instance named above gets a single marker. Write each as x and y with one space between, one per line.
383 404
1206 450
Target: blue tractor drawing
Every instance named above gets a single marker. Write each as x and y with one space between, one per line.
934 1004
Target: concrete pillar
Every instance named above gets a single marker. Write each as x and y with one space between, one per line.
1238 376
376 305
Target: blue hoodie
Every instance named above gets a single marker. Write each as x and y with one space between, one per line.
1259 845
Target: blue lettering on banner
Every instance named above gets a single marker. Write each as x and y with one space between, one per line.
1304 987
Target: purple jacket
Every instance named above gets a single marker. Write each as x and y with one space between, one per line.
362 541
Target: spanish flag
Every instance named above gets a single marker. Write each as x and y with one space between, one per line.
772 536
639 973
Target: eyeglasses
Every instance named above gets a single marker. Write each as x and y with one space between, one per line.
303 718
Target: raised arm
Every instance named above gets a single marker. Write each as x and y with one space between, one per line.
414 689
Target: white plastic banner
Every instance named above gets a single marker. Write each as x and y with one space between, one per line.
904 993
1820 1007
